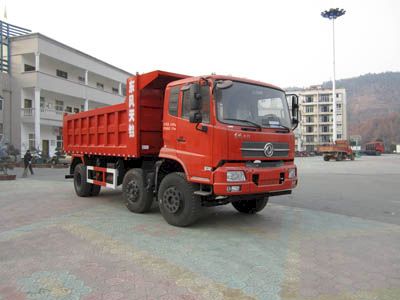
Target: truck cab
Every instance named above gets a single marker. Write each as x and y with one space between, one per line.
232 135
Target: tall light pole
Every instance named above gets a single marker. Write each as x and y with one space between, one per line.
332 14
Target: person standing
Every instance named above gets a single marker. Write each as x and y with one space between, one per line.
27 163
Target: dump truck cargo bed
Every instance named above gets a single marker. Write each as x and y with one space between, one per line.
129 129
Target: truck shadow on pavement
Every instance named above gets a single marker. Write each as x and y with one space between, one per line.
224 216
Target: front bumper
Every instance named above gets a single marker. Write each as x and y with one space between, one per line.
258 180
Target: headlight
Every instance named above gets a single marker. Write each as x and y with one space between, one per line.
233 176
292 173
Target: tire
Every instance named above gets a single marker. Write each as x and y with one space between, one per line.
95 191
339 157
178 204
137 199
82 188
326 158
251 206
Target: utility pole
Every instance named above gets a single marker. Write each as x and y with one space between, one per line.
332 14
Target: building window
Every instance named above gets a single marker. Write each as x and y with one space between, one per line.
339 136
115 90
76 110
28 68
123 88
173 101
309 139
309 109
31 141
309 129
62 74
100 85
324 119
309 99
68 109
42 103
59 105
325 139
339 106
324 108
309 119
1 103
27 103
1 131
324 98
81 79
59 142
325 129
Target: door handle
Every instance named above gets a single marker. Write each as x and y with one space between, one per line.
181 139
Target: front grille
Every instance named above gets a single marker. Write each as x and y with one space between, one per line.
265 164
256 149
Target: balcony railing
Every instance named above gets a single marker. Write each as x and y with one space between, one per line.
27 112
45 113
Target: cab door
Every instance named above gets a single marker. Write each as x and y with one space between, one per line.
169 122
194 141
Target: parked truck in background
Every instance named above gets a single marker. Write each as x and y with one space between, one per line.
340 150
374 148
187 142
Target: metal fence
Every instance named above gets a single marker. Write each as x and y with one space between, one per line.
6 32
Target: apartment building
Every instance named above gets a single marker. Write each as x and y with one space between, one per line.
47 79
316 117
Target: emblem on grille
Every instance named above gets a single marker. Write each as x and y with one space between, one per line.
268 150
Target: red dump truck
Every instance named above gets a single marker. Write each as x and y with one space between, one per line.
374 148
339 150
187 142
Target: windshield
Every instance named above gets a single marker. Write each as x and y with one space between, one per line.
244 103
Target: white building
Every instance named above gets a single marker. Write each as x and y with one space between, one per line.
48 79
316 117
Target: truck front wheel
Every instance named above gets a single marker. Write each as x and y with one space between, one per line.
82 187
178 204
250 206
137 199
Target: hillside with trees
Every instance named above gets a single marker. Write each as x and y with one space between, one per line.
373 106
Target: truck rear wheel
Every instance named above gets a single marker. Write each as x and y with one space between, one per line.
95 191
326 158
82 187
339 157
250 206
178 204
137 199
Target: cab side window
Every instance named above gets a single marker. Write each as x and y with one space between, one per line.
205 104
185 104
173 101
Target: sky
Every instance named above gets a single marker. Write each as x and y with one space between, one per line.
285 42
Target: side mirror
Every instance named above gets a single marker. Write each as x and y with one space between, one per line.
294 104
195 96
195 116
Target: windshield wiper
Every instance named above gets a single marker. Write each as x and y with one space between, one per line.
278 126
246 121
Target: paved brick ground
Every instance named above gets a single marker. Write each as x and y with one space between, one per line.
54 245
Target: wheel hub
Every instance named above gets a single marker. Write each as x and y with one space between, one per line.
172 200
132 191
